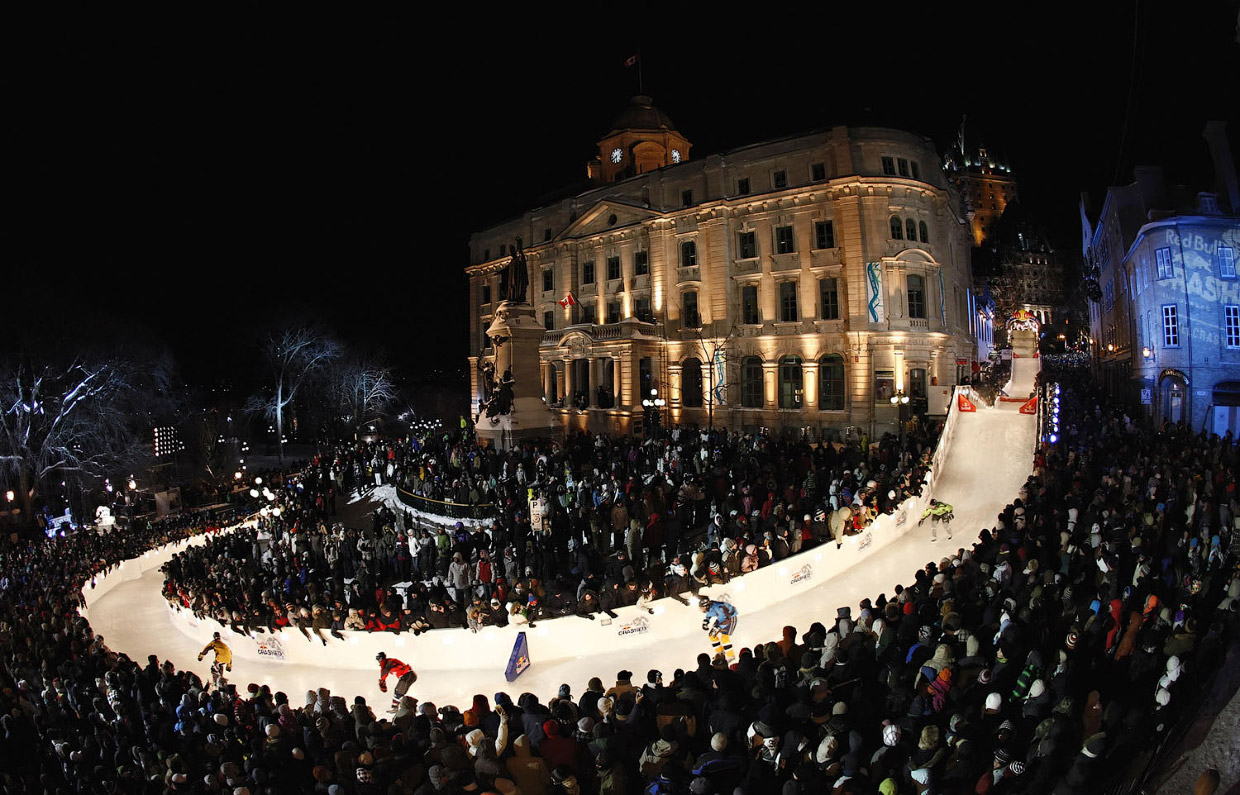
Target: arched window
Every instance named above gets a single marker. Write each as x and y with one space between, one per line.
790 384
831 383
924 231
910 230
751 383
916 296
897 228
691 383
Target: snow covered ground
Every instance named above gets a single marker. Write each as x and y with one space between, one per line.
989 460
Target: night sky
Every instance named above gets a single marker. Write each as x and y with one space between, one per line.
190 182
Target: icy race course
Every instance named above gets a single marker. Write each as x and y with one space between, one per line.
987 460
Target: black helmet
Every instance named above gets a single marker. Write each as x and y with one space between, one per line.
703 601
380 656
217 636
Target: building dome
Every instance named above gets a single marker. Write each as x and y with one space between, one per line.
641 114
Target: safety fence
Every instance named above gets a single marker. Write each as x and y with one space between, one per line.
450 510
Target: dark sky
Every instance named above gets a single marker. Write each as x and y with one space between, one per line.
190 181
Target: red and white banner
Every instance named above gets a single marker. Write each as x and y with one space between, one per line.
964 404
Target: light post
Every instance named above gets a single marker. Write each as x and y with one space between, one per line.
654 408
900 400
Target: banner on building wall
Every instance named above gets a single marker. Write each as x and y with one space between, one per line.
874 292
942 300
519 660
721 381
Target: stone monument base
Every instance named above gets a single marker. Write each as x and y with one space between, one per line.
530 419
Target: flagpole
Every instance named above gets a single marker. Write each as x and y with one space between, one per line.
640 85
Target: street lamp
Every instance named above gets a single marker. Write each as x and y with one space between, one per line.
654 407
900 400
1146 352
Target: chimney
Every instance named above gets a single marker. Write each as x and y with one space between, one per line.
1215 134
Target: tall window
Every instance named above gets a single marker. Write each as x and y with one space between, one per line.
916 297
642 311
889 166
688 254
613 311
751 383
910 230
1226 262
828 299
1231 325
788 302
897 228
831 383
548 280
903 167
790 384
916 169
824 234
549 320
686 197
783 240
749 305
923 231
1171 325
1164 263
746 246
641 263
780 180
613 268
587 272
690 305
486 294
742 186
691 383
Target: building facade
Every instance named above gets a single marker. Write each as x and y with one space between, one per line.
1166 330
796 284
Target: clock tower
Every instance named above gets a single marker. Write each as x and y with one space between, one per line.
642 138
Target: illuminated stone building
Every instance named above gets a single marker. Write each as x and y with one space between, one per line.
794 284
1166 330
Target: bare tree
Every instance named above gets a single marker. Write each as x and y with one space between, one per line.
296 355
713 351
58 422
362 389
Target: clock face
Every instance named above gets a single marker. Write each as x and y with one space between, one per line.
675 155
617 155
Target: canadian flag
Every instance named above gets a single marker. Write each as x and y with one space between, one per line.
568 301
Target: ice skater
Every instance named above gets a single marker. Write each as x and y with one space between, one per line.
222 661
403 673
720 624
938 512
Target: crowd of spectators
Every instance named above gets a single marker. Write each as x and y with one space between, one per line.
1045 657
625 522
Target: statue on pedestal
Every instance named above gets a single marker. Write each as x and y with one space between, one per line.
514 280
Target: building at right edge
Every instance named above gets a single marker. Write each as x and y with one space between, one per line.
1165 316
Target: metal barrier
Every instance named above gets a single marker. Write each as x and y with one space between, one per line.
451 510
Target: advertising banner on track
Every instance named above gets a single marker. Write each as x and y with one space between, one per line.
269 647
639 625
519 660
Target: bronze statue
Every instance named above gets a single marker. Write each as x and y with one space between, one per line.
515 278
